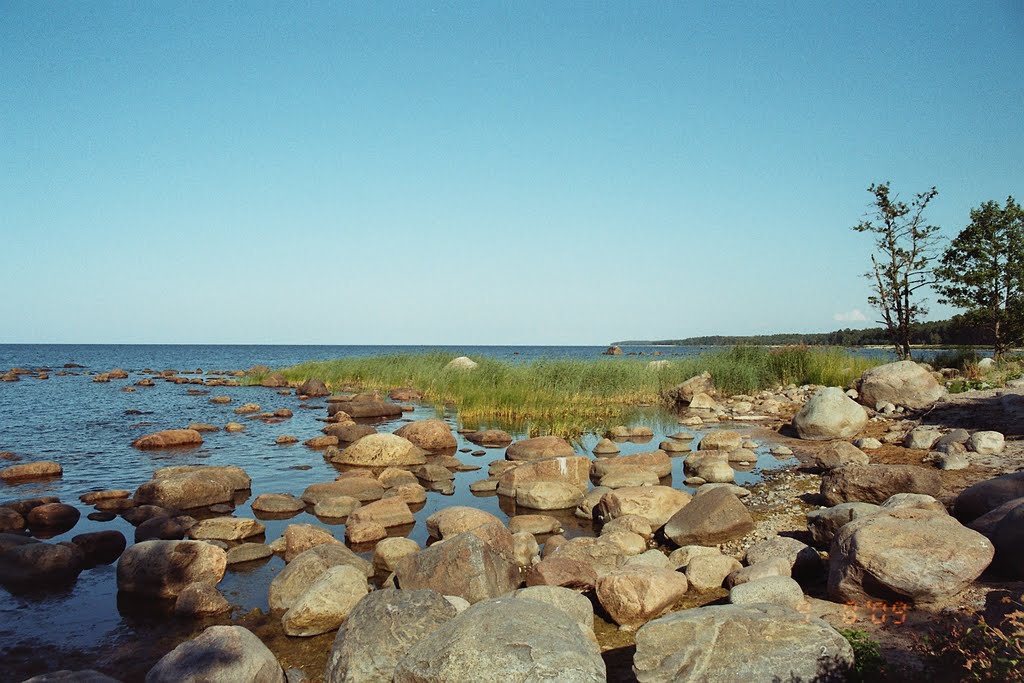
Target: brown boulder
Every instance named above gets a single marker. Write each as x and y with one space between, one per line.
169 438
877 483
538 448
31 470
715 517
430 435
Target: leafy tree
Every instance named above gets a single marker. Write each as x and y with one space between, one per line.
901 267
983 271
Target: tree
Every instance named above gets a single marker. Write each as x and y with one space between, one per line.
983 271
906 247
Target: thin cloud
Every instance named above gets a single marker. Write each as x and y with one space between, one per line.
850 316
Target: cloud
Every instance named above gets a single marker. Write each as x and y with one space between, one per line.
850 316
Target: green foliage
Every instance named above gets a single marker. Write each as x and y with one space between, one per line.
983 271
868 663
960 359
904 245
572 397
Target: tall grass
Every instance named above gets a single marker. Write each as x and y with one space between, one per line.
570 397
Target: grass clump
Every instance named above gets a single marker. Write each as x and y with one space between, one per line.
569 397
868 663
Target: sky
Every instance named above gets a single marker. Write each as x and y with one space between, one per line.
481 173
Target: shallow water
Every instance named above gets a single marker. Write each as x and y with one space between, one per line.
86 427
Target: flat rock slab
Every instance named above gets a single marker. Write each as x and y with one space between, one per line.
709 519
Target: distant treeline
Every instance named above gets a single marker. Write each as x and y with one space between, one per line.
957 331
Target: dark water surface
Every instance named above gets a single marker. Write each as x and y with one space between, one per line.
87 427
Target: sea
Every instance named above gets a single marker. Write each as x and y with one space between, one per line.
88 427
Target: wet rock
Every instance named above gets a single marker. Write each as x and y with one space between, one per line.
388 512
534 524
40 564
248 552
623 477
169 438
184 491
43 469
803 561
405 394
380 450
364 490
474 565
366 409
771 590
307 567
278 503
162 569
10 520
321 442
430 435
840 454
200 600
140 513
434 473
326 603
313 387
633 596
708 571
904 383
656 462
412 494
491 438
830 414
487 643
395 476
539 448
986 443
336 507
202 427
226 529
232 476
234 427
162 528
656 504
53 517
100 547
623 432
713 518
918 556
380 630
876 483
94 497
571 470
69 676
825 523
274 380
457 519
722 440
606 447
220 653
723 644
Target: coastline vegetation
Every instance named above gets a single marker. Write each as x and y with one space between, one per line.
572 397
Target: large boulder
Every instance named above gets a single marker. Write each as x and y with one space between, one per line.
683 393
1008 537
462 363
162 569
830 414
877 483
909 554
457 519
656 462
825 523
363 489
220 654
169 438
987 495
904 383
100 547
728 643
474 565
508 639
380 630
184 491
313 387
36 564
232 476
708 519
31 470
365 409
600 555
656 504
538 448
226 529
840 454
634 595
309 566
381 450
548 495
325 603
430 435
573 470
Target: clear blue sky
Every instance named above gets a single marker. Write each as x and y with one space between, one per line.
505 173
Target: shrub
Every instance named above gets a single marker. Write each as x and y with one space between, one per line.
868 663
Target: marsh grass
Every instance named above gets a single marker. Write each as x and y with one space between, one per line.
571 397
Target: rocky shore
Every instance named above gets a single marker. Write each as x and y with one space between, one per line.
903 509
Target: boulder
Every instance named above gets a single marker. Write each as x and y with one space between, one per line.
274 380
169 438
184 492
922 438
430 435
976 500
709 519
363 489
220 654
802 560
562 571
380 630
457 519
388 512
326 603
336 507
775 566
830 414
914 555
248 552
721 440
34 564
606 447
904 383
876 483
986 443
52 517
573 470
10 521
232 476
381 450
361 410
505 639
162 528
461 363
600 554
682 394
100 547
634 595
347 432
656 504
389 551
771 590
548 495
313 387
309 566
728 643
569 601
489 438
825 523
1008 538
31 470
69 676
226 529
840 454
656 462
278 503
474 565
537 525
539 448
708 571
298 538
162 569
200 600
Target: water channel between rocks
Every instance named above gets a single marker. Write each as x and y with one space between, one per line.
88 428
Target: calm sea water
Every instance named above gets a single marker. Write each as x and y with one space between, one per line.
88 427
